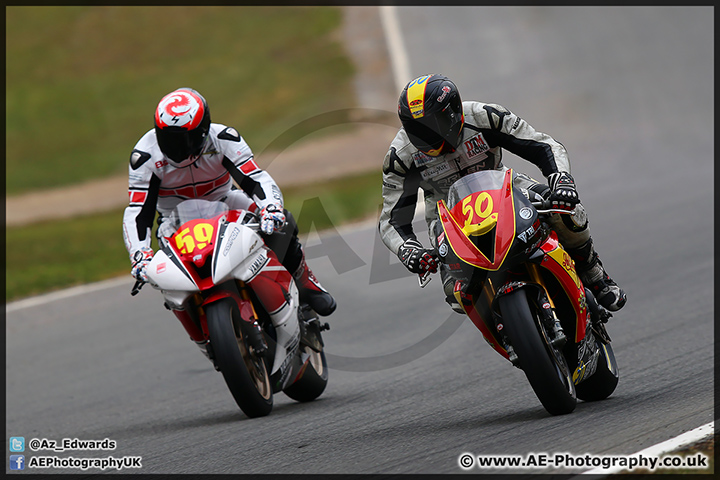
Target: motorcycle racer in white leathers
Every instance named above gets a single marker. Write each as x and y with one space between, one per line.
443 139
186 156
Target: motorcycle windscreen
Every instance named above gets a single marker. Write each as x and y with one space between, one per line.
197 223
480 220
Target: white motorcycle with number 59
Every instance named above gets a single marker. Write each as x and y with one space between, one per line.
242 305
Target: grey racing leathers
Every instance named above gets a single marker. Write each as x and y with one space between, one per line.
488 128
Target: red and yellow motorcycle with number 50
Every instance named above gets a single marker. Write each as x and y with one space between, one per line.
519 287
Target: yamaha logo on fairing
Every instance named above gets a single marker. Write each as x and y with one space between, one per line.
258 264
443 250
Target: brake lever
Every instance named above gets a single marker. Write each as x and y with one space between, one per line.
256 227
545 207
137 287
424 278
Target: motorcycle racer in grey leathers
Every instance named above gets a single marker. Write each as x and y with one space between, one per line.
186 156
443 139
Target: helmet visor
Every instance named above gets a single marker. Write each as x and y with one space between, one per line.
429 133
179 144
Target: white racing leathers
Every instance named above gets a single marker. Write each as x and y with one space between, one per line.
488 129
155 184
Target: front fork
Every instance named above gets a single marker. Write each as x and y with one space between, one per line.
546 310
193 318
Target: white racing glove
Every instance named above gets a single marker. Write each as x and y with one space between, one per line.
272 218
141 259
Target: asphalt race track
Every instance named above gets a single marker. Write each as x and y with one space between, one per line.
629 92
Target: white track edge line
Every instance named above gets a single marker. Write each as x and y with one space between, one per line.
396 46
688 438
117 281
66 293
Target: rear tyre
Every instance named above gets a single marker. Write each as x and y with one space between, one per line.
314 377
244 373
602 383
544 366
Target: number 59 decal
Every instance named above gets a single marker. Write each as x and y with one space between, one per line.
194 236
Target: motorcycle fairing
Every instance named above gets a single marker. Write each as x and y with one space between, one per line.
482 212
193 243
470 306
559 263
166 269
240 253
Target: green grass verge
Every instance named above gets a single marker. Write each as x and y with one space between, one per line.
706 447
52 255
334 202
82 82
59 254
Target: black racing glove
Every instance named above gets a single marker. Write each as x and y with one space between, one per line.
563 194
416 258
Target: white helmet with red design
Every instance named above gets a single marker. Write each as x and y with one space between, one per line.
182 123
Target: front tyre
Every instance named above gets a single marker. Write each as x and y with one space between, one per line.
544 366
244 373
602 383
313 377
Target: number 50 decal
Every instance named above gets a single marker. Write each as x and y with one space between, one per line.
482 208
187 242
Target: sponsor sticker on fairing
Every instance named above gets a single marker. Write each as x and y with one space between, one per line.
228 245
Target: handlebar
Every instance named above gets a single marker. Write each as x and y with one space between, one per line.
253 225
545 206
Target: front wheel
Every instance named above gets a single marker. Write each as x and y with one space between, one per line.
244 373
544 365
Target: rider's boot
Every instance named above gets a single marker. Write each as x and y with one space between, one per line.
311 292
591 272
450 298
289 251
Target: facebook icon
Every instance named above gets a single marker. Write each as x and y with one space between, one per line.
17 462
